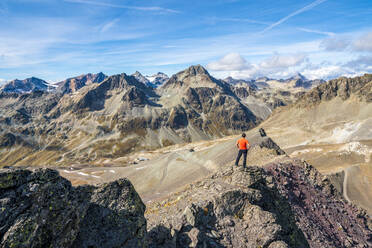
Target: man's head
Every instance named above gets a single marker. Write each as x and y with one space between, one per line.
243 135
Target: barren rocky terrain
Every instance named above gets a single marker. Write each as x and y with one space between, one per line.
331 128
280 203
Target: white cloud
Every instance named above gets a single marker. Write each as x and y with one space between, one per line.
277 65
363 43
230 62
278 61
325 72
286 65
361 63
337 43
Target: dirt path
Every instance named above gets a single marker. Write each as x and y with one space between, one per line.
345 185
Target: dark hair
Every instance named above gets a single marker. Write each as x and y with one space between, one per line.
243 135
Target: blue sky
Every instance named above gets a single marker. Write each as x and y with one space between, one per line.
56 39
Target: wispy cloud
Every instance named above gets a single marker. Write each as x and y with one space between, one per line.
240 20
316 31
108 25
140 8
306 8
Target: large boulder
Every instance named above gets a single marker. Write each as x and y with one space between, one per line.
42 209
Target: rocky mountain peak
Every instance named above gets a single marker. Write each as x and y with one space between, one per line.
25 86
157 79
196 70
262 79
75 83
160 74
194 76
298 76
137 73
229 79
141 78
99 77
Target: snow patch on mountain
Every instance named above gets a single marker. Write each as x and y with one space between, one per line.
154 81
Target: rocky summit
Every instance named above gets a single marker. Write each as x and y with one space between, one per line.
285 203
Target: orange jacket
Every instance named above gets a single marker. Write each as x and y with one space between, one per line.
243 144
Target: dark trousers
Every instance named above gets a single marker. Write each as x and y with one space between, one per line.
244 153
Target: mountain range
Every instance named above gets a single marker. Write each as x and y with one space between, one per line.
175 141
298 82
85 120
95 117
70 85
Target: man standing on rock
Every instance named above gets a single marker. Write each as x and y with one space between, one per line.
243 146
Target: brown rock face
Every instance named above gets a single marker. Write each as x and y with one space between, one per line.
341 87
74 84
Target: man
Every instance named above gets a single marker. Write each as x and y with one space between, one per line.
243 146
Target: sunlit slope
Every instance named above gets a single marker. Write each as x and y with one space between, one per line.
331 128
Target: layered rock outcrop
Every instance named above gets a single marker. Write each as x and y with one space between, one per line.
42 209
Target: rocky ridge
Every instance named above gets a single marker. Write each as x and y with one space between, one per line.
343 87
283 204
25 86
73 84
42 209
295 83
